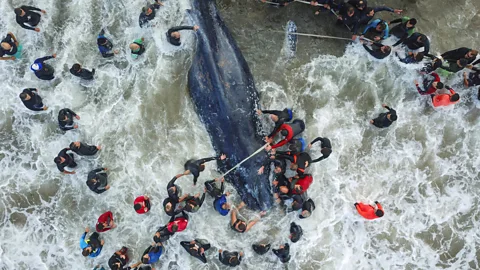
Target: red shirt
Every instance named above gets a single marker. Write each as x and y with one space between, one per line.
140 200
304 182
181 222
367 211
443 99
105 217
288 138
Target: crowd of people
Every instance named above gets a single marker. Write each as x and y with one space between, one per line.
288 153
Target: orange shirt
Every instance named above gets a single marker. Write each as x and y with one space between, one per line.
443 99
367 211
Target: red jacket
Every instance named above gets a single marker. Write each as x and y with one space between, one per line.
305 182
367 211
105 217
145 208
288 138
181 222
443 99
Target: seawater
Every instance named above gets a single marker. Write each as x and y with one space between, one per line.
423 169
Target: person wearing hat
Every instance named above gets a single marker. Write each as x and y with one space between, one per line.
97 182
105 46
173 34
32 100
63 160
83 149
42 70
9 47
148 13
28 19
230 258
385 119
137 48
368 211
105 222
92 246
65 119
77 71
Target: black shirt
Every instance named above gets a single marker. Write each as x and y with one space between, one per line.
176 41
30 18
382 121
8 39
144 18
83 73
84 149
66 124
69 161
35 101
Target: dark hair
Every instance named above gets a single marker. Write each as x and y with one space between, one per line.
455 97
137 206
284 132
393 117
76 67
419 57
145 260
72 145
379 213
101 41
23 96
382 25
85 252
463 62
234 260
174 228
100 226
440 85
296 205
18 11
57 160
412 21
388 49
242 226
350 9
202 167
368 10
361 3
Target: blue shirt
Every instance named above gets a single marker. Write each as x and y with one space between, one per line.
217 204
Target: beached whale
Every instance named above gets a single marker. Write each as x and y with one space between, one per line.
223 91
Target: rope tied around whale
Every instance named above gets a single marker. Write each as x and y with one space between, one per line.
249 157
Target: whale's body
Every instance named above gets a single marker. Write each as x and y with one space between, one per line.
223 91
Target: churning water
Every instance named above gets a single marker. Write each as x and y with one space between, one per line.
423 169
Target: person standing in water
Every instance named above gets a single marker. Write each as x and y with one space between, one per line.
307 208
105 46
296 232
385 119
63 160
92 246
194 167
120 259
431 84
65 119
446 98
405 28
27 18
230 258
283 253
105 222
173 34
77 71
196 248
97 182
170 203
162 234
261 249
326 148
137 48
240 225
32 100
142 204
148 13
288 131
193 203
178 223
83 149
278 117
42 70
152 253
9 46
369 212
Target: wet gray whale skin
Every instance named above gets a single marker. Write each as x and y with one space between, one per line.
223 91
